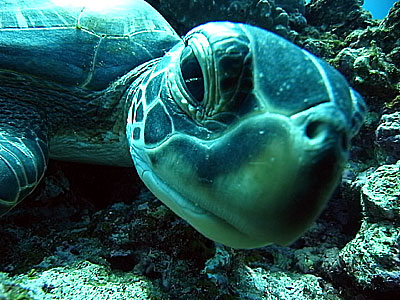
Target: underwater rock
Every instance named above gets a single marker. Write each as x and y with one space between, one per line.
54 185
388 137
185 15
380 195
371 61
217 267
83 280
372 258
369 71
260 283
343 33
337 16
325 47
385 33
292 6
297 21
391 23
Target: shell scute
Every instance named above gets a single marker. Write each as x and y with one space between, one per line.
81 45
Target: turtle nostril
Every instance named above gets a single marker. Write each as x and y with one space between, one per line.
315 129
322 132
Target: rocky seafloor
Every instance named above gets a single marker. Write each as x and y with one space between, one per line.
93 232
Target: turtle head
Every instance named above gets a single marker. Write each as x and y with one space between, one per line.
242 133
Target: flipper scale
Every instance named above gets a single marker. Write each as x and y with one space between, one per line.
23 161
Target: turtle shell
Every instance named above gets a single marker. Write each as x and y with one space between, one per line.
81 43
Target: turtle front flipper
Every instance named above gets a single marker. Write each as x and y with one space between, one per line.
23 153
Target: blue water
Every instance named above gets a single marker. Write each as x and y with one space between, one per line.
378 8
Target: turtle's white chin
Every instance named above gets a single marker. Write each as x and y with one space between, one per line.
208 224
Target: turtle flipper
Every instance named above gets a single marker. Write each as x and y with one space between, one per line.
23 161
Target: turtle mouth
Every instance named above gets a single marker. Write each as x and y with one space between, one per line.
207 223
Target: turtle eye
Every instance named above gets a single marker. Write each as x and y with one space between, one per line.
192 75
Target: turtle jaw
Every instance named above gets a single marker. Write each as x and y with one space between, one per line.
247 197
210 225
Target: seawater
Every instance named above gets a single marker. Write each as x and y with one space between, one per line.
378 8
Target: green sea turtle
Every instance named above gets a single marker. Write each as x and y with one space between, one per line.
238 131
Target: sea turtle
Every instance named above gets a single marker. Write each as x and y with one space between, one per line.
237 130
